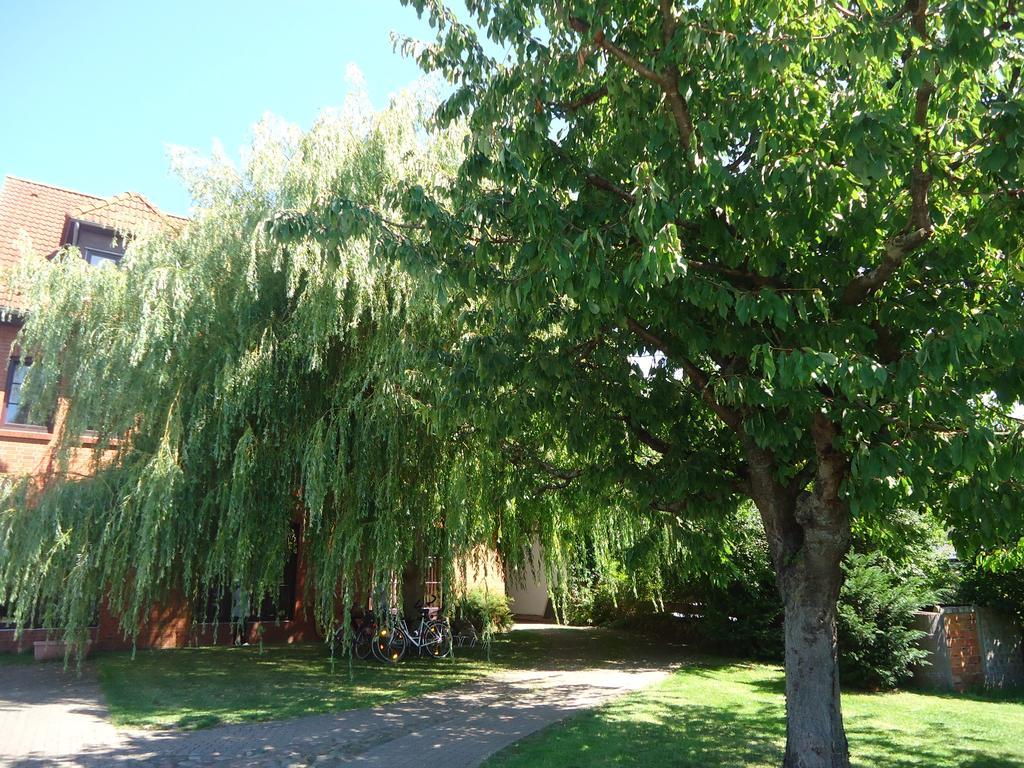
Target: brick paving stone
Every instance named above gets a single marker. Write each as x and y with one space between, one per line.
47 712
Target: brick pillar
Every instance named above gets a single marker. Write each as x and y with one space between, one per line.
964 644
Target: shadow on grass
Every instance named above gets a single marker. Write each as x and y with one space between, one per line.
719 713
714 713
511 705
198 688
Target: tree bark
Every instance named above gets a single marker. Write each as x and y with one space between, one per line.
815 737
808 533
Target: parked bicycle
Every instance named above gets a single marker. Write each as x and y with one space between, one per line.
364 632
431 637
465 635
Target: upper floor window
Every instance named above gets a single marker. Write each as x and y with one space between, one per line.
16 410
98 258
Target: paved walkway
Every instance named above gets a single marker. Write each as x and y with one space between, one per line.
50 713
462 727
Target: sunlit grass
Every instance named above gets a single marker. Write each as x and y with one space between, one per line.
200 687
733 716
205 686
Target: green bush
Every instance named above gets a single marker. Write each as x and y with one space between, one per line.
487 611
575 599
742 612
592 598
877 645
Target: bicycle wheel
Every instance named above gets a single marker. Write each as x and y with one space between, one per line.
379 642
398 643
447 644
429 640
362 642
440 635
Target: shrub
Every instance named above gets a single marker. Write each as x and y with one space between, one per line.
877 645
592 597
487 611
742 615
575 598
740 612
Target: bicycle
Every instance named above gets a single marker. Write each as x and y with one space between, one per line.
364 631
432 637
465 634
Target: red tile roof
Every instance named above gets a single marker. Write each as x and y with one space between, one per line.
37 214
128 212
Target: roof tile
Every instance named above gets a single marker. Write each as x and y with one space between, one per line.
39 212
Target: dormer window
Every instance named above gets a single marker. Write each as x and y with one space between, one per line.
98 258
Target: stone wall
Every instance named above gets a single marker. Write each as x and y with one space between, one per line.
1002 649
936 673
969 647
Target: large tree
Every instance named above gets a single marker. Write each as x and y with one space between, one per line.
270 367
238 386
690 256
724 250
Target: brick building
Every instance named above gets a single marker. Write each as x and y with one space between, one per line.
36 220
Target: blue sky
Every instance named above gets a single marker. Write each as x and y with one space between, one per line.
91 93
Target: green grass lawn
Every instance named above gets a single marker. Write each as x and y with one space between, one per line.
733 716
11 659
710 714
200 687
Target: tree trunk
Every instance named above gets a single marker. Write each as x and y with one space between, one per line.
815 737
808 533
412 592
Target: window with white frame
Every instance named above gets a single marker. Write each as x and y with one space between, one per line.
16 409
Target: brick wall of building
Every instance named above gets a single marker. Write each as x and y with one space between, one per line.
40 213
169 625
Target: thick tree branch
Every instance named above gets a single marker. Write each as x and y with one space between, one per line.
698 379
605 185
896 252
832 468
555 485
631 61
647 437
519 455
738 277
677 104
581 351
919 226
668 81
584 100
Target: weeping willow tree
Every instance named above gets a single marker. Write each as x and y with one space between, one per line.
267 370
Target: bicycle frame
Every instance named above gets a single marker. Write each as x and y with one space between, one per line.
418 638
